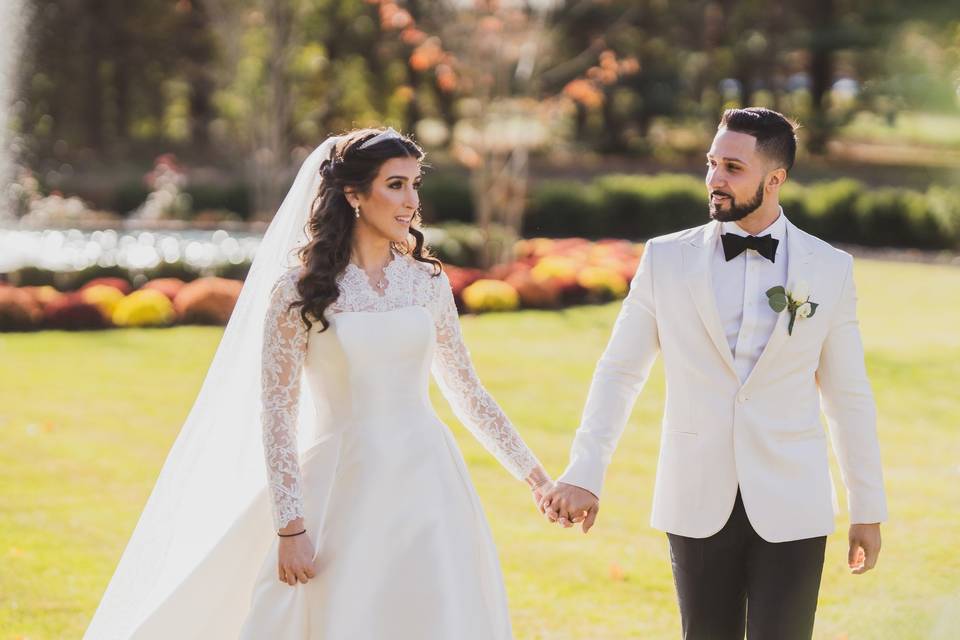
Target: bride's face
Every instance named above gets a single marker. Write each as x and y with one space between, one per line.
387 208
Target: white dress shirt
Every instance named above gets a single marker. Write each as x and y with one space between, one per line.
740 287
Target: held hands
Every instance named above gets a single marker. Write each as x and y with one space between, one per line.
539 482
295 555
864 547
568 505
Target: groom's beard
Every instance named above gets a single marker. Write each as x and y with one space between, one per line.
736 211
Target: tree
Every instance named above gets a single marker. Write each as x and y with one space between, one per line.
487 60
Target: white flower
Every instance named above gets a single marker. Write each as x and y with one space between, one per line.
801 292
804 310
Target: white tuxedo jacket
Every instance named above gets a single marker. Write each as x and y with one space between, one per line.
763 435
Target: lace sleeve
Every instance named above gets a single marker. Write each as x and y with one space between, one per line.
471 403
284 346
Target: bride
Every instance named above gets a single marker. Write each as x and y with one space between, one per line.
323 372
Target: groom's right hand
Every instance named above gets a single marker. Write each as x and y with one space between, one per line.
567 505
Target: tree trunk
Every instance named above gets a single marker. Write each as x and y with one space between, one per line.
580 122
93 94
270 154
612 140
821 72
199 74
121 88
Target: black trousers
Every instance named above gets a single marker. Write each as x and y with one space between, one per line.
735 582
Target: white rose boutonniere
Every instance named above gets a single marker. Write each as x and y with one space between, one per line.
796 302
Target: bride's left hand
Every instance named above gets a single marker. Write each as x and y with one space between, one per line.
541 490
295 554
540 484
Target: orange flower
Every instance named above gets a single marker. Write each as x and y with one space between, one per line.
629 66
584 92
412 36
616 572
207 300
169 287
533 294
393 17
608 76
427 55
446 78
608 60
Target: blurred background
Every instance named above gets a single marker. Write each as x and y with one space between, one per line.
134 114
146 145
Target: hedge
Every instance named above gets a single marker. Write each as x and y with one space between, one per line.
843 210
636 207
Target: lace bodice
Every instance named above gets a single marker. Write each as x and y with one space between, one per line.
408 283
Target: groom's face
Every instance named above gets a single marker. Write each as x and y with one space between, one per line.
735 176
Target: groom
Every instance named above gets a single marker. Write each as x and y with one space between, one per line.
743 488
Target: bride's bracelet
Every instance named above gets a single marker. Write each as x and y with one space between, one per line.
290 535
537 479
534 488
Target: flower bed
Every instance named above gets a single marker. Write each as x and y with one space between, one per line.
549 274
545 274
111 302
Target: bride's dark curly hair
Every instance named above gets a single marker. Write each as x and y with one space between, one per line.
332 219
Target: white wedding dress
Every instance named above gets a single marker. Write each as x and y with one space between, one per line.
352 445
403 550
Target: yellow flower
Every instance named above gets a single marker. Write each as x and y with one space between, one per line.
603 281
143 308
104 297
490 295
555 268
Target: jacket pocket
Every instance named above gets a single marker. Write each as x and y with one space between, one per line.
813 433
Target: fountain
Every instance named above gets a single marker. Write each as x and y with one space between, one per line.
13 19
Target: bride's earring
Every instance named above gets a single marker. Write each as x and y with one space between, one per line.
356 211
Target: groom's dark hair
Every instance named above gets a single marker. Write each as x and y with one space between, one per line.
775 133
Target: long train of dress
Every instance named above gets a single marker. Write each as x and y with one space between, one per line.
403 549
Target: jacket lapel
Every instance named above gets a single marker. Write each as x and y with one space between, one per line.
799 267
697 256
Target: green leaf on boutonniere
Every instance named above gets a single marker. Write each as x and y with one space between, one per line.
813 309
778 289
778 300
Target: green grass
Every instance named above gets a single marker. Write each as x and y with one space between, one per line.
86 421
910 128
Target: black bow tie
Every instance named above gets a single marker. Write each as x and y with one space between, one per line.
734 245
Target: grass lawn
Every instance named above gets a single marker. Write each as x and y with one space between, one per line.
86 420
910 127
